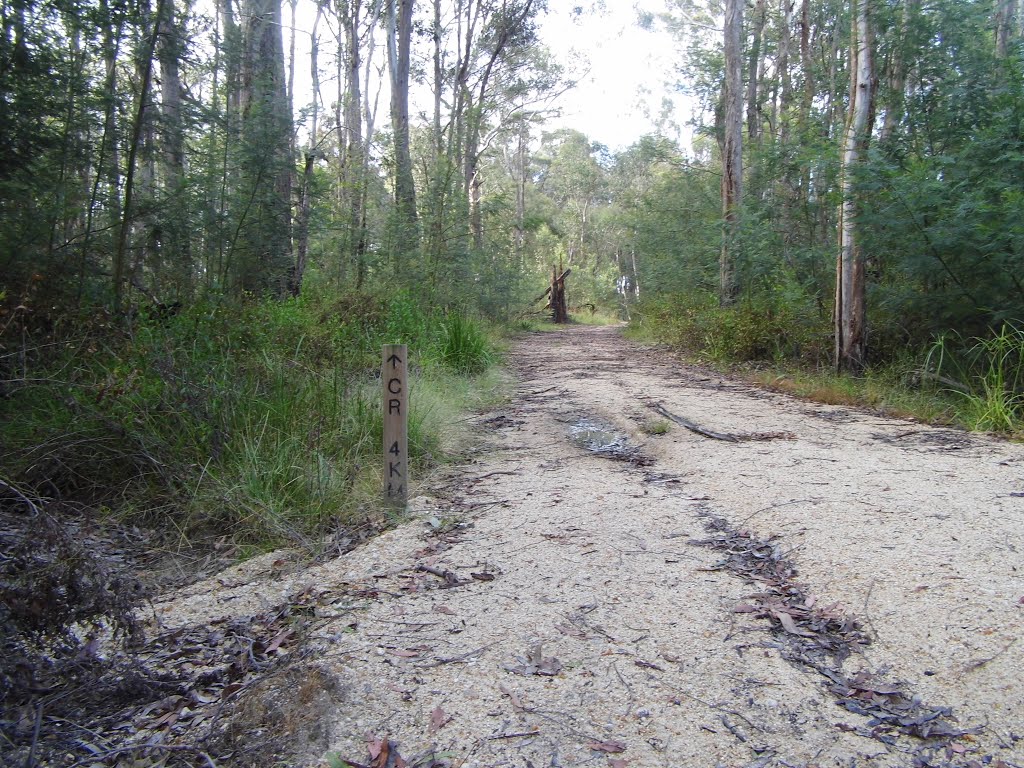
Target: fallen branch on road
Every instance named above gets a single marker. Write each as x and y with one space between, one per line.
660 409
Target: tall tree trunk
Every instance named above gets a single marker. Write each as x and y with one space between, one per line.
732 148
355 151
120 255
897 75
232 48
850 312
520 175
438 177
1004 23
754 71
786 84
302 217
435 33
106 167
266 145
399 49
370 115
806 64
175 239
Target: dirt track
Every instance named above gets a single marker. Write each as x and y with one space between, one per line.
549 604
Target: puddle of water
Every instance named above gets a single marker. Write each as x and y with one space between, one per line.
602 438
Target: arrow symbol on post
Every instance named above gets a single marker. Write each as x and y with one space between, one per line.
394 360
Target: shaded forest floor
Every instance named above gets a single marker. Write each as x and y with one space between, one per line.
600 584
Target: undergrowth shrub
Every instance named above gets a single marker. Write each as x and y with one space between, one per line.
986 374
259 421
463 345
755 328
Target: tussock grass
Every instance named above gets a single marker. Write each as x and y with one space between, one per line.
985 375
258 422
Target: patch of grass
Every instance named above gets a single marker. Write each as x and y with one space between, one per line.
655 427
463 345
259 422
986 375
886 391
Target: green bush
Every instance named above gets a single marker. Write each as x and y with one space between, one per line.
758 328
463 346
260 420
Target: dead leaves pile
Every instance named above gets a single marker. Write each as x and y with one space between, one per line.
822 631
822 638
534 662
170 694
892 709
383 753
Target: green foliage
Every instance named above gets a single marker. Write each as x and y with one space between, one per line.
762 327
260 421
463 346
987 373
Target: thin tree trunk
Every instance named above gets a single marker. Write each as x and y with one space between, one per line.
438 82
355 152
732 148
786 84
522 137
302 219
753 72
850 319
370 115
897 73
636 273
232 47
176 225
399 49
133 149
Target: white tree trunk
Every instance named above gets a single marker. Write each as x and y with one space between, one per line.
850 320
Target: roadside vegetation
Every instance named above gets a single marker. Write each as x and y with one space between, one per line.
255 422
133 450
975 383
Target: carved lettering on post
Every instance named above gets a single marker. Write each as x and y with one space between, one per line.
396 424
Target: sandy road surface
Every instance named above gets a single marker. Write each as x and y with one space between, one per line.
548 606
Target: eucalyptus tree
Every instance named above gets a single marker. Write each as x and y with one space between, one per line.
850 304
479 48
267 167
399 47
731 134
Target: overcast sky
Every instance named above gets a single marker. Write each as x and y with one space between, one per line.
621 67
621 98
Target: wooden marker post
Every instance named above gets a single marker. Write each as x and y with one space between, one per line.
396 424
